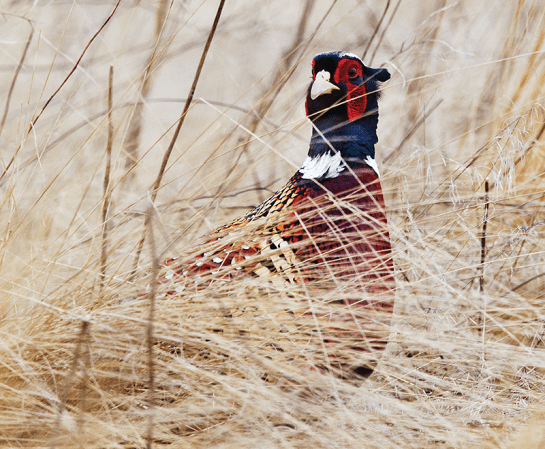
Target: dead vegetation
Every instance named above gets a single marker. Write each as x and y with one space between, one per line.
229 368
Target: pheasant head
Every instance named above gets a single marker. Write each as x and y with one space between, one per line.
342 104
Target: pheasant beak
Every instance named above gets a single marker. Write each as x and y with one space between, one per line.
321 85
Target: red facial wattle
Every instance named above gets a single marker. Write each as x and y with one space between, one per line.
350 73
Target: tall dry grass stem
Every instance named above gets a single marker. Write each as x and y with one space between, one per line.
375 31
483 236
107 194
150 339
81 354
15 76
135 122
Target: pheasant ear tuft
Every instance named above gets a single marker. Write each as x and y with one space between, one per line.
381 74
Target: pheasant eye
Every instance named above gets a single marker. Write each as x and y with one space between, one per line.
352 73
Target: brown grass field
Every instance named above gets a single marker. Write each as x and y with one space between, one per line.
82 142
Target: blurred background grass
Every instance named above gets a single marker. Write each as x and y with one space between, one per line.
464 367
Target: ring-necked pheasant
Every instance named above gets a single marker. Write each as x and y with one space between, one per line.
326 228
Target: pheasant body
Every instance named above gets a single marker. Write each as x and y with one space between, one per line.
307 221
327 227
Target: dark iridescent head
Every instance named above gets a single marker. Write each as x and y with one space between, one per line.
343 85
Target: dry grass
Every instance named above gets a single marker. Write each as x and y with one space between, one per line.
464 366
